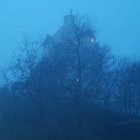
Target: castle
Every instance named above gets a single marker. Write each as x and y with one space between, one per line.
66 32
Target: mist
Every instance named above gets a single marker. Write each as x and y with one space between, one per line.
117 22
69 70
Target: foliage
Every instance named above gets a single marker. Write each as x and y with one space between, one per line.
74 92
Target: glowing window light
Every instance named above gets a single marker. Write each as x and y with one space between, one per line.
77 80
92 40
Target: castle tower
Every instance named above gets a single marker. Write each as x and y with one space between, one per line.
69 19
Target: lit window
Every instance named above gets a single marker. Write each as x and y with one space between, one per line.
77 80
92 40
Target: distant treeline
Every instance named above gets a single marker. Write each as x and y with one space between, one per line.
77 90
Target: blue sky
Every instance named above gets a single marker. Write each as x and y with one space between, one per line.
117 22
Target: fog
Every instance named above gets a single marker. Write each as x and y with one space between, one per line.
117 22
69 70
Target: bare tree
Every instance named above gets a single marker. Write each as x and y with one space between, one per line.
81 61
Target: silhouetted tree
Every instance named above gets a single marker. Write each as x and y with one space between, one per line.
127 86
